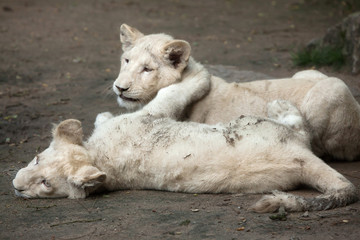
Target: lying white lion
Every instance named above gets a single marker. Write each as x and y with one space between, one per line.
141 150
154 61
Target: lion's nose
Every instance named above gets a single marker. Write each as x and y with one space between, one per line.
121 89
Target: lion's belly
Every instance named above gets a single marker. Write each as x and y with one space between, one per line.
193 157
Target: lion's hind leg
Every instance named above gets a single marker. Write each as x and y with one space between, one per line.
336 190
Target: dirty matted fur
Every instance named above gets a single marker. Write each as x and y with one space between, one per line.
151 62
148 150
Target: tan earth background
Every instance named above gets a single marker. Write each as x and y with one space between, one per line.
58 60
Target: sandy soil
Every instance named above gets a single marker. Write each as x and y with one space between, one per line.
58 60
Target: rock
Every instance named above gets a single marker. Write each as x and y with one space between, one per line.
305 214
280 216
344 35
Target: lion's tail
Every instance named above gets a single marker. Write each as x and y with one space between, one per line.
336 190
292 203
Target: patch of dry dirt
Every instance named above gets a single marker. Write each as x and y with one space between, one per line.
58 60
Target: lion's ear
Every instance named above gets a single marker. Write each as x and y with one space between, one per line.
177 52
128 36
70 131
88 176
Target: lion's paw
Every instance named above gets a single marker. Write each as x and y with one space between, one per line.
284 112
102 117
279 108
271 203
267 204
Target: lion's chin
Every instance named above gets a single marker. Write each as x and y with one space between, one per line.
128 99
129 103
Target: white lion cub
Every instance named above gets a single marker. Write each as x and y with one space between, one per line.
151 62
149 150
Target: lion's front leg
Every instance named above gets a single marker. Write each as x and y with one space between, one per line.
172 100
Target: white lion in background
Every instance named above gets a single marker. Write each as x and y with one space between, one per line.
151 62
149 150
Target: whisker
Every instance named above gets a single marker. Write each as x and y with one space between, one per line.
107 92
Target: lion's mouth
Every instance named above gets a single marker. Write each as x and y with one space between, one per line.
21 194
127 98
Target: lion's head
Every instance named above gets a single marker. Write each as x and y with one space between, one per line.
148 63
62 170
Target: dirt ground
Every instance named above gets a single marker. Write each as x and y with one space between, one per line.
58 60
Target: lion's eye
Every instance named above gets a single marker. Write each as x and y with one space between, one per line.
146 69
126 60
46 183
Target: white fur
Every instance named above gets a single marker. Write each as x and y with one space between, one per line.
141 150
309 74
329 110
101 118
